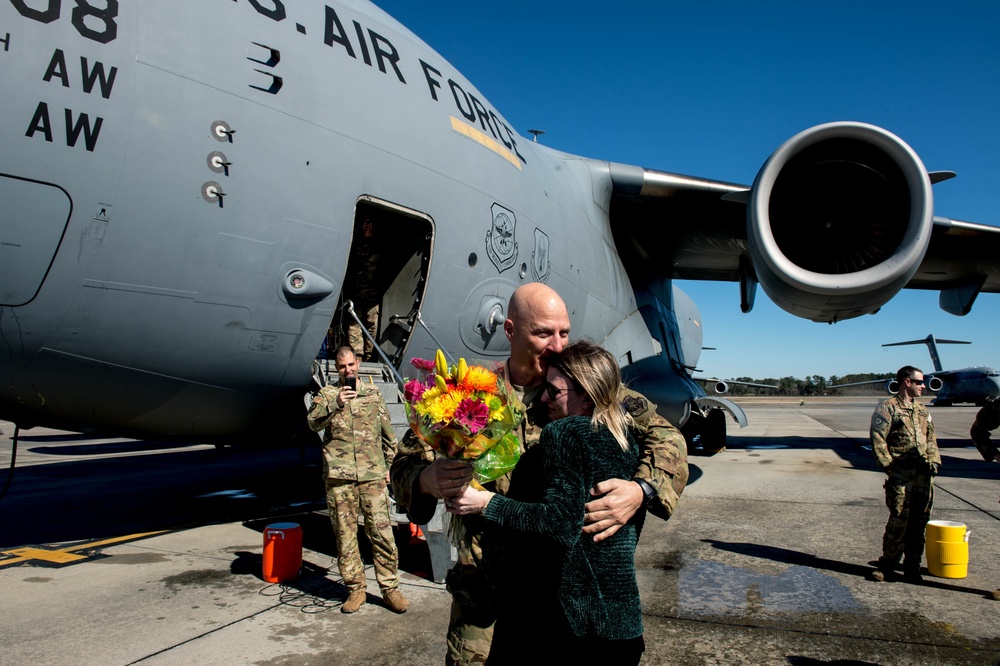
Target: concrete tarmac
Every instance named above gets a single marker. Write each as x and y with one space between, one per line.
118 552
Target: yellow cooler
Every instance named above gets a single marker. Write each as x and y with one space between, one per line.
947 549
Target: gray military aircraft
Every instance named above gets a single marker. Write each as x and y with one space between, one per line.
183 185
975 385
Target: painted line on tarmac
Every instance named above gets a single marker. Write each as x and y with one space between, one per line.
64 556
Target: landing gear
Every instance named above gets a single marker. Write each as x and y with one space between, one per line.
705 435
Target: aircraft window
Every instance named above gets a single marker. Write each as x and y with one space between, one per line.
473 259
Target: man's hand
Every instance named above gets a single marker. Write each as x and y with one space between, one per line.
606 515
445 478
346 393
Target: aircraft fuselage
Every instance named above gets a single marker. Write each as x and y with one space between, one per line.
170 167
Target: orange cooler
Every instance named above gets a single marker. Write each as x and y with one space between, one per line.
947 549
282 552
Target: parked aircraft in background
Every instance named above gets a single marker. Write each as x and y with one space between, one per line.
966 385
184 185
976 385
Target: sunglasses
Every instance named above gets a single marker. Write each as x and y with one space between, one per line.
553 393
918 382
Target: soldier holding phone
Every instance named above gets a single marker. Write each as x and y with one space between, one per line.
358 446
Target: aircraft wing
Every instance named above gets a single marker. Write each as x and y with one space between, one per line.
869 382
838 220
722 385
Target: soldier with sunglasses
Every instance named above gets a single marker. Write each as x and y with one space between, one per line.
902 436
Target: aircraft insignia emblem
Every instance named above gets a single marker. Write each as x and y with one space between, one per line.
500 244
540 256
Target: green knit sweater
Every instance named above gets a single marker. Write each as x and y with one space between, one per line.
544 552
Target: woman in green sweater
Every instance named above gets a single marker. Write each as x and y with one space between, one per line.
563 596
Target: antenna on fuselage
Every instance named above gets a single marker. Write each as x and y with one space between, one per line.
535 133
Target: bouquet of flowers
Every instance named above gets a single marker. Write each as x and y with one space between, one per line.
465 412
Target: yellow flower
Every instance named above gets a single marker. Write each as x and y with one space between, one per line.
479 379
497 408
443 407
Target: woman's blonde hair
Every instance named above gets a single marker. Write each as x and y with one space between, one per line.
594 371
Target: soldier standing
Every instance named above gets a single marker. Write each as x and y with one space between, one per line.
987 419
902 436
358 446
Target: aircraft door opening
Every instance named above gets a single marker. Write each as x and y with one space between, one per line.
385 279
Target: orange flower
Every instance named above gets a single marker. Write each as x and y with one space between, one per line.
479 379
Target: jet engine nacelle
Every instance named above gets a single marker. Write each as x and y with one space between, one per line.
721 387
839 219
933 384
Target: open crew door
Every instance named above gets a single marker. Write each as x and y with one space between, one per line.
385 279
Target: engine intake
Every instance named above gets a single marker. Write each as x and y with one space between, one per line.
839 220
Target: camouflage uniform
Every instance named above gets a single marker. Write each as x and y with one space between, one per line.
364 293
902 436
987 419
663 464
358 446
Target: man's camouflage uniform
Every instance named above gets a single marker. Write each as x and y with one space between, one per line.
663 464
363 290
902 436
987 419
358 446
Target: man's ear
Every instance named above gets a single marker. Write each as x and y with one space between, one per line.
508 329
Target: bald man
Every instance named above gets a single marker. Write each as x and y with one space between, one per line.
537 326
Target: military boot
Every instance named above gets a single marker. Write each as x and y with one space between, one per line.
885 571
395 601
355 600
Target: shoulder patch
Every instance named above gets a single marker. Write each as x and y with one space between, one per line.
877 420
635 405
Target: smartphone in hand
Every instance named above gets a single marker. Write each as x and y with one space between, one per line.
352 383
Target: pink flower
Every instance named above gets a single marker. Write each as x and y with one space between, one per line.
413 390
473 414
422 364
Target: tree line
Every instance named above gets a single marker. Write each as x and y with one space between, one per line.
813 385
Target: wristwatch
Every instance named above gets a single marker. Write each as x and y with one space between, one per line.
647 491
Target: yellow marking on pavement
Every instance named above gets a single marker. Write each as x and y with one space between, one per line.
54 556
64 555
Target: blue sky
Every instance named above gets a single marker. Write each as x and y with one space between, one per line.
712 88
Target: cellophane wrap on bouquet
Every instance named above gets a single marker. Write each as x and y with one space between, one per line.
465 412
